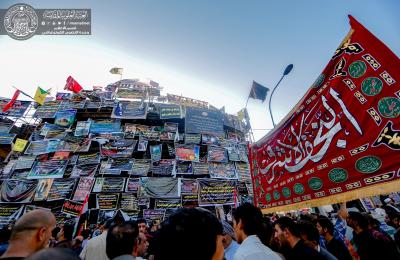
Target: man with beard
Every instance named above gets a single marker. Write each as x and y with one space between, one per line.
288 235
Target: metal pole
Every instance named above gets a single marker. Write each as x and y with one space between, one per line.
270 98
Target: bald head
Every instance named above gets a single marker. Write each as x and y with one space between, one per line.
32 221
31 233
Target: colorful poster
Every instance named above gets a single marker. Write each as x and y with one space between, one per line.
6 138
154 187
65 118
203 121
189 186
130 130
130 110
24 162
43 189
183 167
105 126
142 146
222 170
17 109
60 155
187 152
75 144
107 201
216 192
43 146
61 189
72 208
132 185
210 139
82 128
48 169
217 154
168 203
119 148
163 167
18 191
63 96
155 152
83 189
339 142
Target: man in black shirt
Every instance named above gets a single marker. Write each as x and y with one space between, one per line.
287 233
370 246
334 246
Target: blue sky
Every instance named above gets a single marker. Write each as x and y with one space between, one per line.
210 50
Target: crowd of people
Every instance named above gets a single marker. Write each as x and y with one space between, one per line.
196 233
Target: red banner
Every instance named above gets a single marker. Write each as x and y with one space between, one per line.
342 140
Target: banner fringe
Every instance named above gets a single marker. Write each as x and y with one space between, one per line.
373 190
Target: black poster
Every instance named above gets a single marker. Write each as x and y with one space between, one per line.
199 121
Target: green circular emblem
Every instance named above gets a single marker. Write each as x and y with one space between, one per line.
268 197
338 175
298 188
277 196
315 183
368 164
286 192
357 69
371 86
318 81
389 107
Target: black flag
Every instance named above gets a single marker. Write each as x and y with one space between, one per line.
258 91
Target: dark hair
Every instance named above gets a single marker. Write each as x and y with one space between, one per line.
54 253
108 223
55 231
309 230
141 220
250 216
85 233
267 231
361 220
121 239
285 222
68 230
189 233
326 223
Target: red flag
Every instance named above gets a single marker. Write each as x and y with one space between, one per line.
73 85
340 142
12 101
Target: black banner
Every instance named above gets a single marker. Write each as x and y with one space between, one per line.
199 121
216 192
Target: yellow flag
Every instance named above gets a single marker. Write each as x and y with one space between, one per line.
40 96
19 145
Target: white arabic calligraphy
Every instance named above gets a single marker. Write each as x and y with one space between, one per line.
301 153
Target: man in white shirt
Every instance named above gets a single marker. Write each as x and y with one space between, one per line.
247 221
96 247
